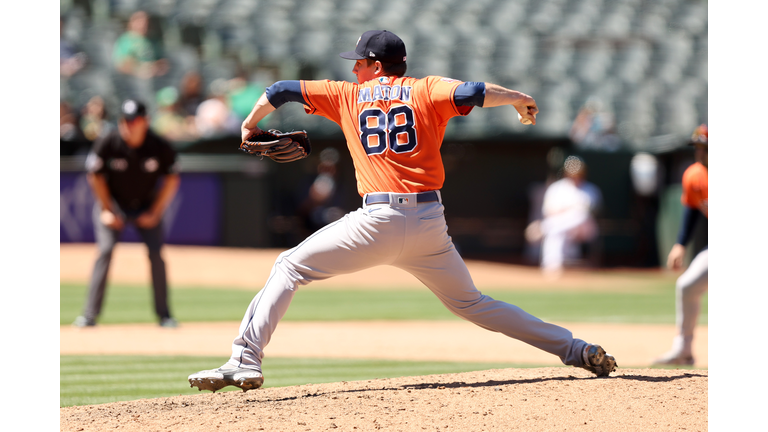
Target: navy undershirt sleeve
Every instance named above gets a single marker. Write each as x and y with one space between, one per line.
284 91
690 216
470 94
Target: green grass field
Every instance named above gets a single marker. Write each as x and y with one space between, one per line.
89 380
86 380
133 304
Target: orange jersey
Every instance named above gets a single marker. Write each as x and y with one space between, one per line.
695 188
394 127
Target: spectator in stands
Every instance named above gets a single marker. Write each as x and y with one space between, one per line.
190 94
71 138
594 127
134 54
214 117
68 122
138 61
568 217
70 59
93 119
169 123
243 94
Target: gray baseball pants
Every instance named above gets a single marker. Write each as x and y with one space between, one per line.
690 286
106 239
406 234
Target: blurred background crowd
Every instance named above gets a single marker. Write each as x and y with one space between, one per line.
610 74
620 83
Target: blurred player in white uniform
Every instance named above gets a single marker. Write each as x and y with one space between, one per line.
568 217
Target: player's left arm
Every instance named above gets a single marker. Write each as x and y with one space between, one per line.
273 98
487 95
260 110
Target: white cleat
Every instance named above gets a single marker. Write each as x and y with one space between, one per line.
216 379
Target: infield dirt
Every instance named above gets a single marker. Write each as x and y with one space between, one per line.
544 399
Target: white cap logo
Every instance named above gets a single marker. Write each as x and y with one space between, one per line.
130 107
371 54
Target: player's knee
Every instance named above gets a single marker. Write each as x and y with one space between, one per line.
285 266
692 290
466 308
682 286
105 254
154 255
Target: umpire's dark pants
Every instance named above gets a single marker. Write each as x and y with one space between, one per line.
106 239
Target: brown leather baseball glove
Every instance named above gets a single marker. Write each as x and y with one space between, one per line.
278 146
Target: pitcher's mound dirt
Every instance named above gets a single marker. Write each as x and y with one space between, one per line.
546 399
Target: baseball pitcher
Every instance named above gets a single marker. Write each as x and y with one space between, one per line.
394 127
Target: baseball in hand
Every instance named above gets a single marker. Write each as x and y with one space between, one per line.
524 121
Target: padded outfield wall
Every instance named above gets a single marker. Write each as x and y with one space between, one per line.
232 199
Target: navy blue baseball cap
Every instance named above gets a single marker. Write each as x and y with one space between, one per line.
378 45
131 108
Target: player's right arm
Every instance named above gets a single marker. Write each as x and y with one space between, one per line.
691 214
676 255
98 182
496 95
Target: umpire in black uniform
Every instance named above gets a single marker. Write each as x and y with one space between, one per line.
134 175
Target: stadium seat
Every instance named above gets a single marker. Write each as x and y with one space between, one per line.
648 59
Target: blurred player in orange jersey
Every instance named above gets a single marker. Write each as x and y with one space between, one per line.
693 283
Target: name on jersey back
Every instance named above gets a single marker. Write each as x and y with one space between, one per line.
384 93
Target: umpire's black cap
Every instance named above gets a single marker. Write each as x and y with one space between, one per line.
131 108
380 45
